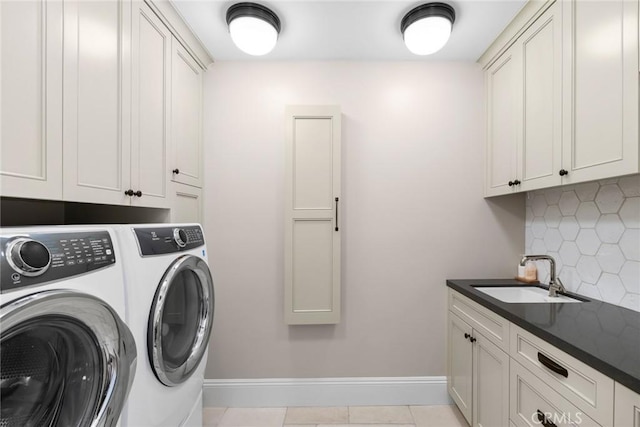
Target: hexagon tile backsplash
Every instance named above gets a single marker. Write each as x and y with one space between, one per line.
592 230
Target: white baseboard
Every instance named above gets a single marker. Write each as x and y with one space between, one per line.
282 392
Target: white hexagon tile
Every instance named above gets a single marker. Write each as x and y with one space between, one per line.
593 232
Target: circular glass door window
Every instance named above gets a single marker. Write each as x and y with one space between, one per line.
50 374
181 319
66 359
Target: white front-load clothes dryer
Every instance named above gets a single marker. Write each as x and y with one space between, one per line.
67 357
170 307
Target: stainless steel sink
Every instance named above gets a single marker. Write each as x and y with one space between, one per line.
523 294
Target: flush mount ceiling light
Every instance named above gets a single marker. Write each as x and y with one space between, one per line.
254 28
427 28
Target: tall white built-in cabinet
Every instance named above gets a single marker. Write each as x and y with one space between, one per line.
102 103
562 92
312 215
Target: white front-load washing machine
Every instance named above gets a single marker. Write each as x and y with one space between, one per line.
67 357
170 307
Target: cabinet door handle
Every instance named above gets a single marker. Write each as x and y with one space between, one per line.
511 184
176 171
337 200
472 339
129 192
563 172
138 193
467 336
553 366
544 420
517 182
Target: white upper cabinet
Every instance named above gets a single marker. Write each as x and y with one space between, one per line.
502 126
151 77
601 95
524 102
186 117
97 101
31 99
540 132
92 93
575 109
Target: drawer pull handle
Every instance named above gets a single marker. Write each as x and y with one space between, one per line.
558 369
544 420
466 335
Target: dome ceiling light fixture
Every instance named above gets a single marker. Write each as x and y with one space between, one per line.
254 28
426 28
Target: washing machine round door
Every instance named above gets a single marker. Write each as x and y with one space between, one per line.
180 320
66 360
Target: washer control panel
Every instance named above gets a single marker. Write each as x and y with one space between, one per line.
168 240
33 258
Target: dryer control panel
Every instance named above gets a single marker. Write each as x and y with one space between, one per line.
168 240
33 258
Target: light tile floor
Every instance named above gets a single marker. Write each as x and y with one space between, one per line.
341 416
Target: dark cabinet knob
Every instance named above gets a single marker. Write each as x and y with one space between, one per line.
563 172
466 335
472 339
511 184
129 192
517 182
138 193
176 171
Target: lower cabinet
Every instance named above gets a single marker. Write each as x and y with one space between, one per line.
531 384
478 375
534 403
490 384
460 364
627 407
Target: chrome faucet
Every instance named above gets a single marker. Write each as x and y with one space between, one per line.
555 285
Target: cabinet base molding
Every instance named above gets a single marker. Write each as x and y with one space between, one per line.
360 391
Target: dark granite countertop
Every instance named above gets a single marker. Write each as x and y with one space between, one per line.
604 336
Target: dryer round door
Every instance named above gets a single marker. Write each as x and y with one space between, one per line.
66 359
180 320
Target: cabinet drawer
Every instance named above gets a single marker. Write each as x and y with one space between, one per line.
627 411
494 327
530 398
585 387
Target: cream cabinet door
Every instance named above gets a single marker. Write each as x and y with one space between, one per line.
31 99
601 78
312 228
97 90
186 204
151 68
627 407
504 104
186 117
540 144
490 384
460 364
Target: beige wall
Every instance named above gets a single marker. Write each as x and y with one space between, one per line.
412 214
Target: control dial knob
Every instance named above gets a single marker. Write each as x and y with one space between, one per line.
180 237
28 257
